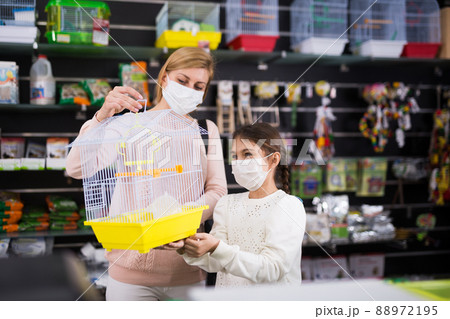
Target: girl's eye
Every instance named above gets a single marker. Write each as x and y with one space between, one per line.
234 157
198 88
248 154
181 81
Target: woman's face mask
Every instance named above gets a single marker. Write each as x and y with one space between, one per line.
250 173
181 99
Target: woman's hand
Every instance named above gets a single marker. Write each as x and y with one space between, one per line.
117 100
200 244
176 245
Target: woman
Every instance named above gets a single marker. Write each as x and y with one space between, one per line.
162 274
257 235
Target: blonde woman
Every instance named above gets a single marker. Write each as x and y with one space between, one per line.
162 274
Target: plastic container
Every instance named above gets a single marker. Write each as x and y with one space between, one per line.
381 30
42 83
17 21
317 25
423 29
149 234
70 22
180 24
252 25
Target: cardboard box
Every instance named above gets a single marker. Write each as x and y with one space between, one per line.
444 52
327 269
366 265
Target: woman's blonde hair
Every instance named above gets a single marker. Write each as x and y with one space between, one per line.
185 58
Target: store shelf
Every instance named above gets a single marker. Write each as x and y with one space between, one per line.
221 56
49 233
30 108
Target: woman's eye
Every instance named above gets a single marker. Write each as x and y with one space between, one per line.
234 157
248 154
198 88
181 82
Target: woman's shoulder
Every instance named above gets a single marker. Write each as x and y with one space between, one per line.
211 127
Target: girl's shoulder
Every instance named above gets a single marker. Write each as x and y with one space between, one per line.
292 201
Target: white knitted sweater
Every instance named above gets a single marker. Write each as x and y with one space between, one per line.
260 240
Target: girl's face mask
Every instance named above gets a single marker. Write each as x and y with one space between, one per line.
181 99
250 173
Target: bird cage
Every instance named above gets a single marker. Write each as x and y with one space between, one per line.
252 25
77 22
142 179
319 26
17 21
423 29
379 30
191 24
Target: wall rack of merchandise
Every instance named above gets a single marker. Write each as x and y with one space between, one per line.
255 67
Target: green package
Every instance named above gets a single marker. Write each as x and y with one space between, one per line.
97 89
372 177
351 175
336 176
310 179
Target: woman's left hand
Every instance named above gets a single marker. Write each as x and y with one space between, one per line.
172 246
200 244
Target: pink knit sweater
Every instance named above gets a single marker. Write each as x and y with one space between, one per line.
163 267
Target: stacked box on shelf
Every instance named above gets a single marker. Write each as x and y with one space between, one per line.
17 21
252 25
423 30
181 24
380 28
318 26
77 22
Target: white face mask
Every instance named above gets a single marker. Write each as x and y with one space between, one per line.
249 173
181 99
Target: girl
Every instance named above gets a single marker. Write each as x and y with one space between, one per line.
257 235
162 274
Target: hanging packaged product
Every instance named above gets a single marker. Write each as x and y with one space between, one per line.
372 176
73 94
225 107
244 107
42 83
336 176
12 152
9 87
135 76
440 158
310 180
271 115
293 93
97 90
351 175
323 133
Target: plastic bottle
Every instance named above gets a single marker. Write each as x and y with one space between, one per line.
42 83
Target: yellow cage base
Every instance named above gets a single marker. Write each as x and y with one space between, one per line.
142 236
177 39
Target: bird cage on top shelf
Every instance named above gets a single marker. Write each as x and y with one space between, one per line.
380 29
17 21
188 24
252 25
423 29
142 179
318 26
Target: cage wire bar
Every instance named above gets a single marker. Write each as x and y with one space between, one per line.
255 17
423 21
139 168
17 12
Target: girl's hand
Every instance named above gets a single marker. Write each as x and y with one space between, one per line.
117 100
200 244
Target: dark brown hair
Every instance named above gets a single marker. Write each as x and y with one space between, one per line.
272 141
